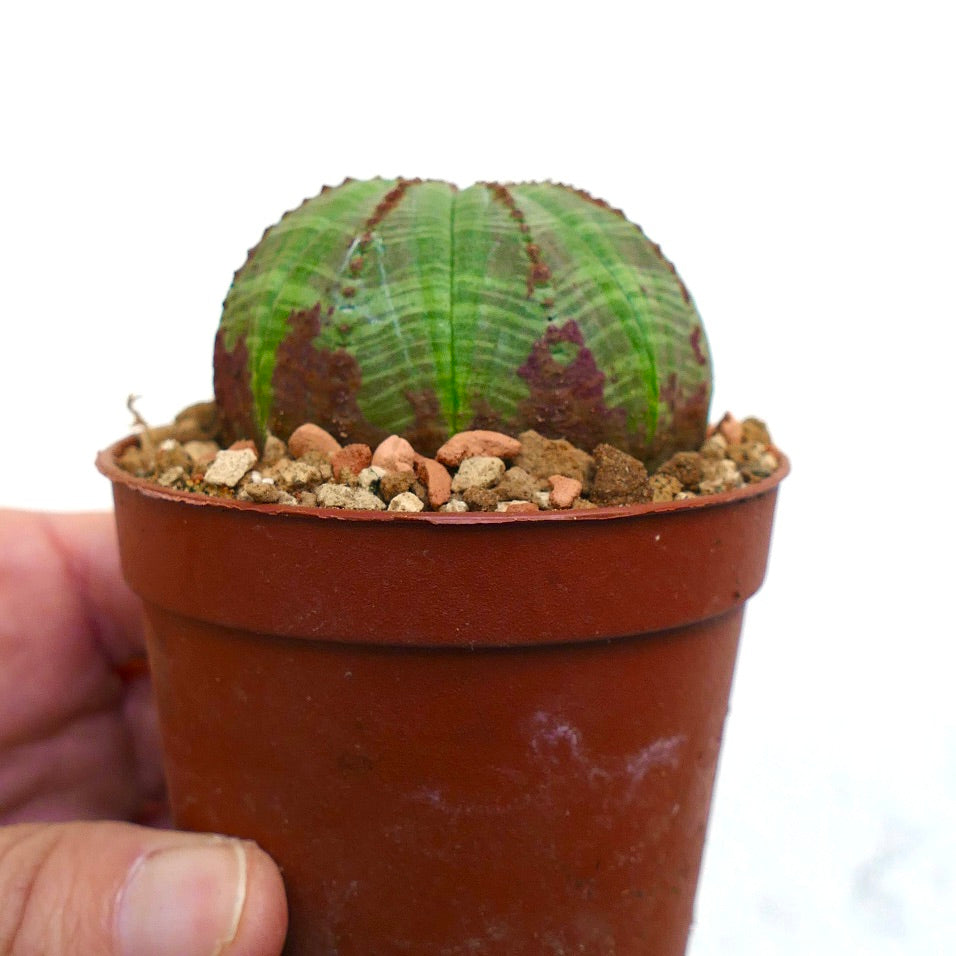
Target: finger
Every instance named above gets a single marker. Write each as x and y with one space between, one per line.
78 738
68 565
115 889
87 543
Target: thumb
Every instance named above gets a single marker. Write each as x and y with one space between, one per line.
114 889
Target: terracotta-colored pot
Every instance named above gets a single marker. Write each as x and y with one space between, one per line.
456 734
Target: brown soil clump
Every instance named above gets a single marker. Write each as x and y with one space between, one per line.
543 457
480 499
517 485
687 467
619 478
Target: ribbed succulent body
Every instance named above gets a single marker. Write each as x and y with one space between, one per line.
416 308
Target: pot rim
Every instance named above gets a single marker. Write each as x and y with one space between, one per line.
106 465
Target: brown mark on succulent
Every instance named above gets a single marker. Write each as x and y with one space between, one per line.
594 200
392 198
539 273
566 389
427 432
684 291
311 384
696 337
233 389
685 429
486 416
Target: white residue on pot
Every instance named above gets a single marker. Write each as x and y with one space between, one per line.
662 753
558 741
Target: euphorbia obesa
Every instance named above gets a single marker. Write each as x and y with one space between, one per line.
415 308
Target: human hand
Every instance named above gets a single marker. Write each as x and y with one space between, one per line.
79 752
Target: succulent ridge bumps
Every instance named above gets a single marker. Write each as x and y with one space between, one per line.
415 308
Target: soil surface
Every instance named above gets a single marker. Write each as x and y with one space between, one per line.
473 471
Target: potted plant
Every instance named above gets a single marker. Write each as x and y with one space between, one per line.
471 731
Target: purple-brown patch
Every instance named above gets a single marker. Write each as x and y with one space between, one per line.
696 341
318 385
233 389
428 429
685 424
566 399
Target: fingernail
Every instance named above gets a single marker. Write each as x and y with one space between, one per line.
183 901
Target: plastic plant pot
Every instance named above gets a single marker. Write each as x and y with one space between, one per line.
455 734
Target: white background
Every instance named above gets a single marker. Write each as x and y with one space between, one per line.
794 159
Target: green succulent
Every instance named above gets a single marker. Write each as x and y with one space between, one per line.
412 307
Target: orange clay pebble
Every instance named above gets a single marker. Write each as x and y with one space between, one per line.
478 443
395 454
563 491
352 458
310 437
434 476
